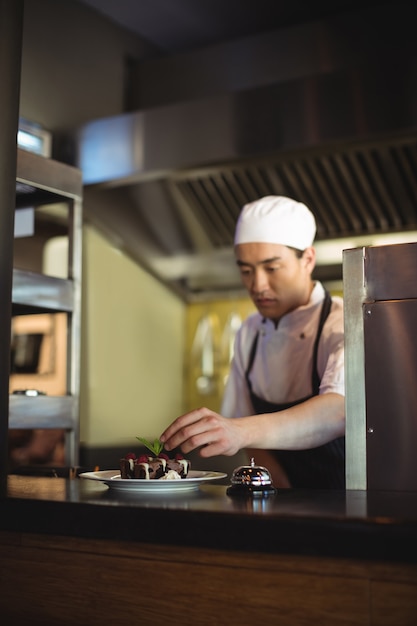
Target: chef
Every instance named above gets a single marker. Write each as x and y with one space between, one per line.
285 391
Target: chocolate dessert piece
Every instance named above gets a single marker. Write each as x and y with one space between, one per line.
152 468
181 466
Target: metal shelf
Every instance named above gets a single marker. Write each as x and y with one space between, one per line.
34 293
38 179
39 182
41 412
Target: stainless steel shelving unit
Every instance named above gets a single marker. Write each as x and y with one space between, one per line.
380 300
41 181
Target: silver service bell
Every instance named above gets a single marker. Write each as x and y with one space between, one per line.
251 480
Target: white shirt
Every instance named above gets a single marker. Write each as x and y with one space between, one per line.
282 368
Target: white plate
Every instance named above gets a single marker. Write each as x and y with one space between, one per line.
112 479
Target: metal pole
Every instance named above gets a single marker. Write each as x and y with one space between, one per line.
11 27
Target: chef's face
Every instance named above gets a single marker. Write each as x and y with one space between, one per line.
277 278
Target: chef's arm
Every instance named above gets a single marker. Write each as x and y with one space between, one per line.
307 425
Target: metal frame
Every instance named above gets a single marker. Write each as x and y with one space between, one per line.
44 180
354 295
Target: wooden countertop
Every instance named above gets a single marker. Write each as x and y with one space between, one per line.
355 524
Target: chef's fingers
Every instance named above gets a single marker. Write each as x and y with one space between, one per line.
177 432
223 438
204 429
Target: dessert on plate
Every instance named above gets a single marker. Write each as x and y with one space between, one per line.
157 466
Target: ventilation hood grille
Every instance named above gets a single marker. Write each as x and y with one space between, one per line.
353 191
181 226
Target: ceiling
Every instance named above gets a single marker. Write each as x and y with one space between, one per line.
325 113
174 26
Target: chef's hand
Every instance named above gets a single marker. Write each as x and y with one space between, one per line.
204 429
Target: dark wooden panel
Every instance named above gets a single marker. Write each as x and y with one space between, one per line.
49 585
394 604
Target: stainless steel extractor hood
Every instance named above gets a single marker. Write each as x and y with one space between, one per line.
335 127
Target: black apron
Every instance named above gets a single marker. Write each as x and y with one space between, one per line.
322 467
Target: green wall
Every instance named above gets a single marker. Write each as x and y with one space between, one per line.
132 349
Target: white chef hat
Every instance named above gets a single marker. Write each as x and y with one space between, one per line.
276 219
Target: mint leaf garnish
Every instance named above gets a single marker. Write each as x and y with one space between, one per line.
156 447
